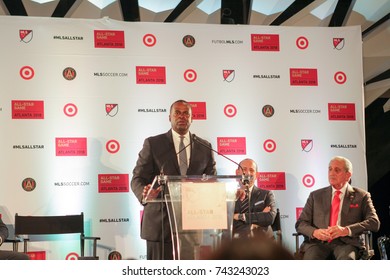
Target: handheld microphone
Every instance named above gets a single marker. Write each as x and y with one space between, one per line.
245 178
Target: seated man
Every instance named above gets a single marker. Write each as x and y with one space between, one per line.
334 217
9 255
255 209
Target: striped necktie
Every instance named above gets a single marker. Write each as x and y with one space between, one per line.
245 203
182 157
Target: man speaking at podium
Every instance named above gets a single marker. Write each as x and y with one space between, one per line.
175 152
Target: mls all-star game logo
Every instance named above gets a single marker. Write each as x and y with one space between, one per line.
25 35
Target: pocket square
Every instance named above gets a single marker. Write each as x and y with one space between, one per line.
259 202
354 205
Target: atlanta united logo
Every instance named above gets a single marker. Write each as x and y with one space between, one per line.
29 184
188 41
69 73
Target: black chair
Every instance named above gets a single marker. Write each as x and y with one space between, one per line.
276 228
42 225
365 254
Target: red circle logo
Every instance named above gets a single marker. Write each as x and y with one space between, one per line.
308 181
230 110
27 72
70 110
149 40
302 43
190 75
269 145
340 77
112 146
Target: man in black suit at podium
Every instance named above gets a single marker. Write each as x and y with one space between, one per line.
176 152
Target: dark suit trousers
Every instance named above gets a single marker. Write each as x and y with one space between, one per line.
331 250
159 251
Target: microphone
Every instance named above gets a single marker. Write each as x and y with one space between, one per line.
245 178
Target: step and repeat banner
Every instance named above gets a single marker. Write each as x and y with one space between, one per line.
78 97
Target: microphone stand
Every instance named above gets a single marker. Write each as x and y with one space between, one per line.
162 184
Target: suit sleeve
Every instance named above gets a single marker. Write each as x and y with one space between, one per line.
370 220
143 172
264 219
304 224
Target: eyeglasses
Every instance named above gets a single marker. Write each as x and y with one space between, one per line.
185 114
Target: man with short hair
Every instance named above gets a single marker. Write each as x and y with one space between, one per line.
164 153
334 217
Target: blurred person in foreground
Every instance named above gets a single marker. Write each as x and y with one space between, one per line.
256 248
334 217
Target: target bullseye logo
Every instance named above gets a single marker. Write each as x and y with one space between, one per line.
230 110
27 72
70 110
112 146
269 145
302 43
340 77
190 75
72 257
149 40
308 180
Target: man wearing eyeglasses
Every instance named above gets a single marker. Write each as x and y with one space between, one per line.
172 153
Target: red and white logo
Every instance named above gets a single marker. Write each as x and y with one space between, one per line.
27 72
308 181
340 77
25 35
302 43
70 110
190 75
230 110
307 145
72 256
112 109
228 75
269 145
112 146
149 40
338 43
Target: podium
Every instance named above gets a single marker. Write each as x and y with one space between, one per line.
200 210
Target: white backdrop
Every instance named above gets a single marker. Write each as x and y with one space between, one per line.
63 152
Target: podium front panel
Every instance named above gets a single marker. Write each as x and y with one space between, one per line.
200 212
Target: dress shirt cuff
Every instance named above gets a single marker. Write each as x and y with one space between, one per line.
1 240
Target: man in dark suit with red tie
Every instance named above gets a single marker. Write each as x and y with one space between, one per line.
334 217
255 209
163 153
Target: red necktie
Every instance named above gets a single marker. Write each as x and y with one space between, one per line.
335 209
